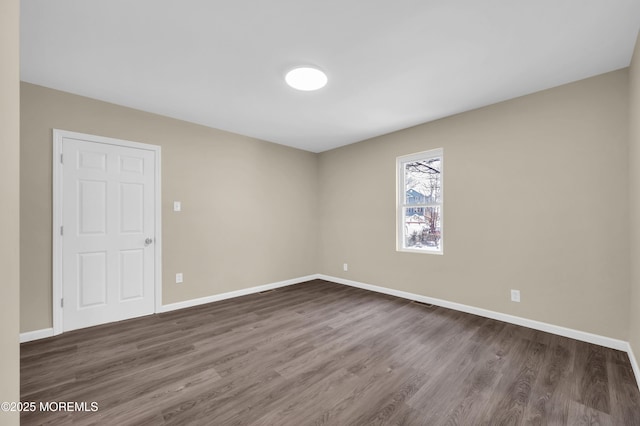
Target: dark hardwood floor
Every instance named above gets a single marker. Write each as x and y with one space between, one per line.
322 353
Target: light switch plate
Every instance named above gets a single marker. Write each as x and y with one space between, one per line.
179 278
177 206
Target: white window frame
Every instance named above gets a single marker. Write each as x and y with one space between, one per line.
401 200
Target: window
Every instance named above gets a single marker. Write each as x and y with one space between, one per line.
420 202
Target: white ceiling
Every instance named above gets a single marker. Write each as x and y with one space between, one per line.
391 64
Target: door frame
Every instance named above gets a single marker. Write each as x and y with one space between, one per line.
57 258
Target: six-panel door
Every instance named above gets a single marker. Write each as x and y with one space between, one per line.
108 232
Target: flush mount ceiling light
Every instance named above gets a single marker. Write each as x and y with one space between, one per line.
306 78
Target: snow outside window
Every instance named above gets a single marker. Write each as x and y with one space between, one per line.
420 202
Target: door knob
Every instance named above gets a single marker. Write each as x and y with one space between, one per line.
148 241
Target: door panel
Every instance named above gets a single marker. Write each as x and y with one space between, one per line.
92 279
92 160
108 211
132 165
131 274
92 207
132 208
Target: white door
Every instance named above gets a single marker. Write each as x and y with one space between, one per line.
108 223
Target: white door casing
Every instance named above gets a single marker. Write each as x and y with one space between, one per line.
106 230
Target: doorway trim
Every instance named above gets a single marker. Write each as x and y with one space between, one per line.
57 284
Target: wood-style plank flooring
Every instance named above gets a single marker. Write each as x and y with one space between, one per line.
322 353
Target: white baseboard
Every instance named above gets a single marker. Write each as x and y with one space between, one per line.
536 325
634 364
232 294
36 335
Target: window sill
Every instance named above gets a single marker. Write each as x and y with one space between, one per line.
421 251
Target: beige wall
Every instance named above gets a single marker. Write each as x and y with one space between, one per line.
9 213
634 169
249 207
535 199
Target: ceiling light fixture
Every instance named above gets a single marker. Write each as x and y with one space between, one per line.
306 78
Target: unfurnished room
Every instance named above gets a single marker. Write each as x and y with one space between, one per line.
304 212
